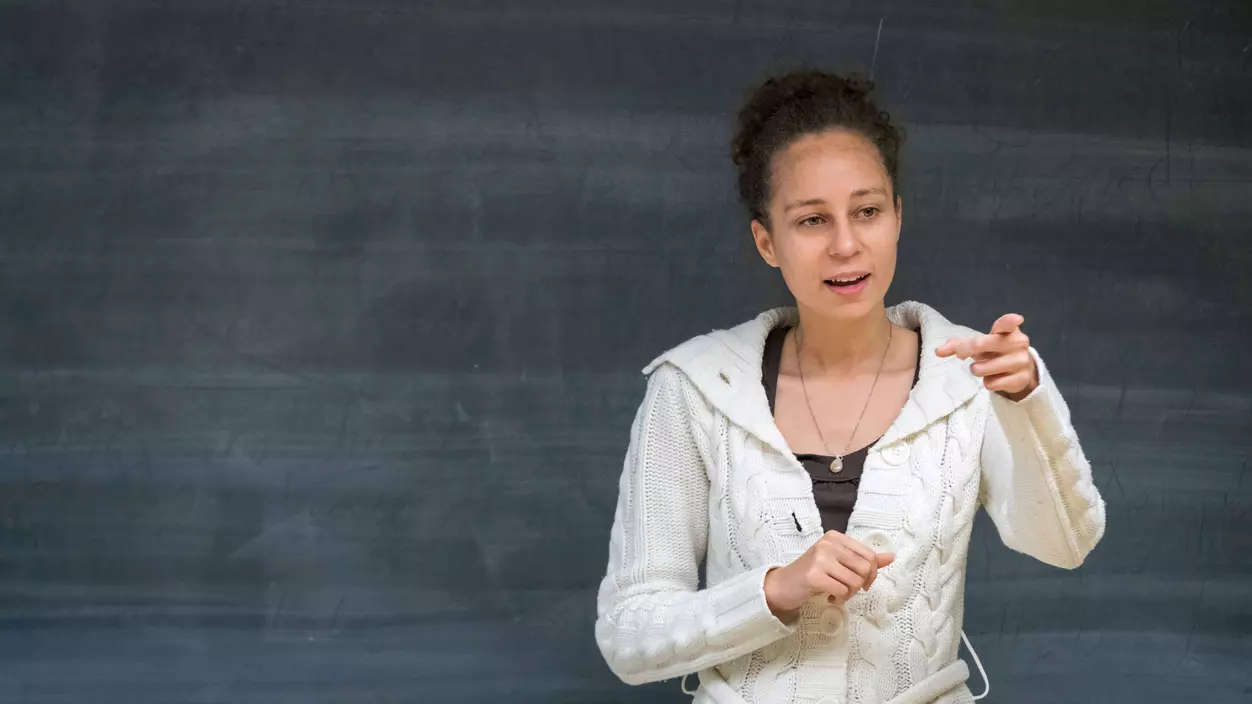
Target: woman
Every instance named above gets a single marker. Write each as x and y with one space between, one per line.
825 461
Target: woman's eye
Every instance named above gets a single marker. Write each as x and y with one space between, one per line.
811 221
868 212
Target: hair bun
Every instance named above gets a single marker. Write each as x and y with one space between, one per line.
783 108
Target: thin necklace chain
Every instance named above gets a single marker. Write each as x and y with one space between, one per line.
800 368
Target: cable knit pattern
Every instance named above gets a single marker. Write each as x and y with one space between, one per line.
709 477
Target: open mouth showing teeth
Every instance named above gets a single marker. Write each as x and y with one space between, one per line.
847 282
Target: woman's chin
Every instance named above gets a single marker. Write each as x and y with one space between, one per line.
847 308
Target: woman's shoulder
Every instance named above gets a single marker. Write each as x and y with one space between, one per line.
934 326
738 344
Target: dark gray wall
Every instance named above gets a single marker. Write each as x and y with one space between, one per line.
321 322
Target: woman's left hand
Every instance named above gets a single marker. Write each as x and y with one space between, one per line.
1002 359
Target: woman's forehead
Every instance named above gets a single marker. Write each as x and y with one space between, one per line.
833 161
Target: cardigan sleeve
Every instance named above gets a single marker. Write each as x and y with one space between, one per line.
1036 482
653 622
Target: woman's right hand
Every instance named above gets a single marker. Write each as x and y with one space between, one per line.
835 565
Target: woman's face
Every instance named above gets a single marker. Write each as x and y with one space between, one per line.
836 222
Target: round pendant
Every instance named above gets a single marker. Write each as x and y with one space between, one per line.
836 465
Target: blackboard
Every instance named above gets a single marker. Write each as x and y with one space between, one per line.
321 324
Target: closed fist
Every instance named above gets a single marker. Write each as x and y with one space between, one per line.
835 565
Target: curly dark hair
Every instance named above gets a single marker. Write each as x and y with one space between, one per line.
785 108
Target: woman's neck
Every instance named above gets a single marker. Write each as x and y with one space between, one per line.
843 345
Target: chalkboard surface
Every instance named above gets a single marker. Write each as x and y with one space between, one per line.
321 324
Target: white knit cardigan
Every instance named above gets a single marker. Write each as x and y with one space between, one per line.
709 478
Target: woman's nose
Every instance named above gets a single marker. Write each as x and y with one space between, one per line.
842 242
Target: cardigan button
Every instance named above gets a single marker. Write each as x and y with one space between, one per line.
831 622
878 541
897 454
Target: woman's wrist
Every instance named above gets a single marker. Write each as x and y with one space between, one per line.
771 599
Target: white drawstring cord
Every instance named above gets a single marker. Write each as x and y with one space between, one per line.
981 671
683 684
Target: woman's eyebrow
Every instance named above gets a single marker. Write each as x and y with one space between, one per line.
868 191
858 193
804 203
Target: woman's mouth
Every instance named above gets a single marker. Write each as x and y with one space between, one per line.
848 285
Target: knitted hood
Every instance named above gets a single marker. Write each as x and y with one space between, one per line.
725 365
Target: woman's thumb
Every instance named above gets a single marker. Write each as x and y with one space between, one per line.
884 558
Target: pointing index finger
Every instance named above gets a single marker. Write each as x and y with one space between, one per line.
1007 324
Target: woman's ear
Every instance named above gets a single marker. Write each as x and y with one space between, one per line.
764 243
